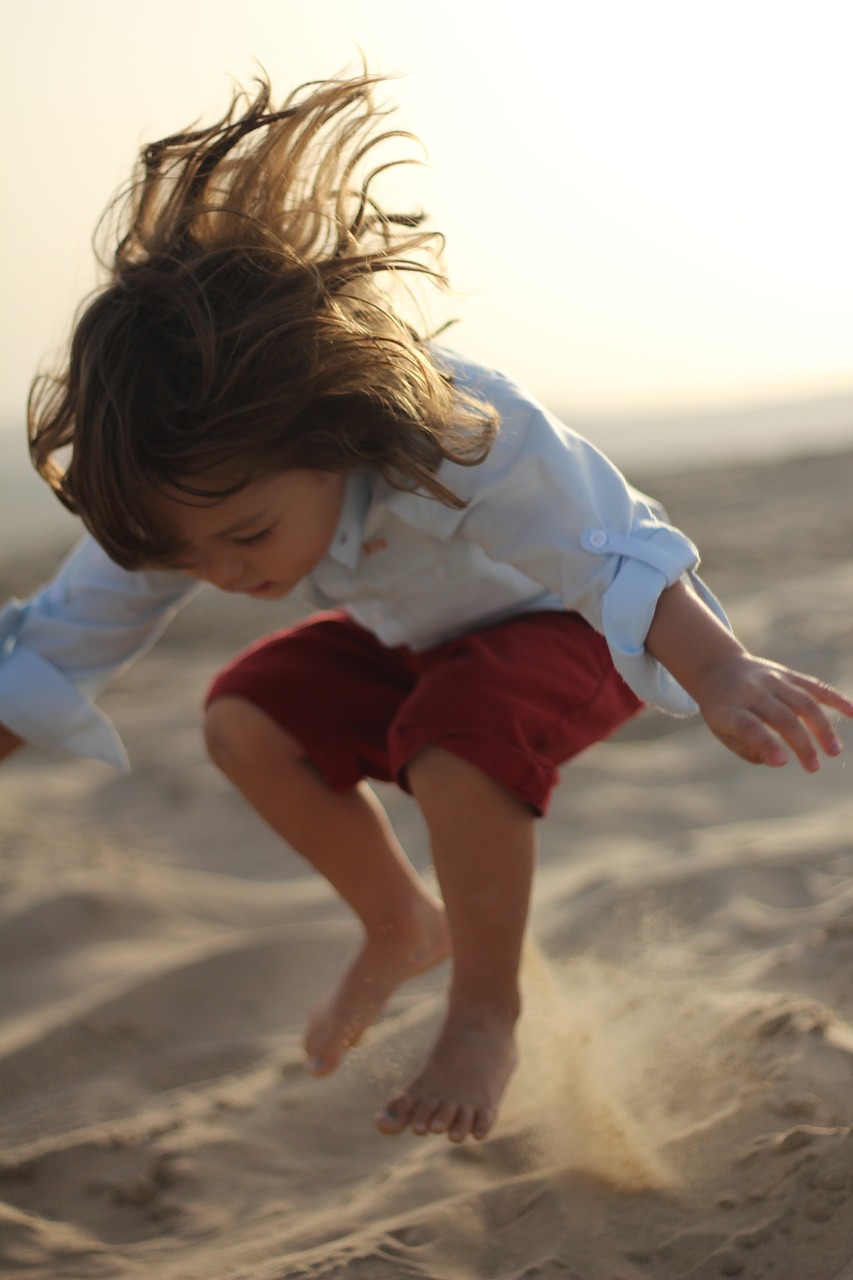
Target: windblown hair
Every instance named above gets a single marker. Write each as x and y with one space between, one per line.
246 327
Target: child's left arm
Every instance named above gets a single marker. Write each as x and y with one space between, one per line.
747 702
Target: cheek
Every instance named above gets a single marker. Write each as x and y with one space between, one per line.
318 547
294 557
319 535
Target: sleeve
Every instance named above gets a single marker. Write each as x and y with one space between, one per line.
63 645
547 502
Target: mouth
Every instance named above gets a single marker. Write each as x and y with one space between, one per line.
266 589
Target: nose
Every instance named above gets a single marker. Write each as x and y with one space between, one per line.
222 569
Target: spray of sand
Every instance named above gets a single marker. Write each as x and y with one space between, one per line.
572 1116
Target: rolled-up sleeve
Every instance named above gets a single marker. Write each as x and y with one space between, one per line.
547 502
62 646
639 568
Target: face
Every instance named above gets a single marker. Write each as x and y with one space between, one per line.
264 539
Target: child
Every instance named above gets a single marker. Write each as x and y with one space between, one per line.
245 407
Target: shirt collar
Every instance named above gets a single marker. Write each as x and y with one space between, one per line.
345 547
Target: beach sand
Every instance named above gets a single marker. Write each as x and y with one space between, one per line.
684 1102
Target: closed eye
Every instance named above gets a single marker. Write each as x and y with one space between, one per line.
253 539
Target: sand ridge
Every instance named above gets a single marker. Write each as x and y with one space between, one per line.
684 1103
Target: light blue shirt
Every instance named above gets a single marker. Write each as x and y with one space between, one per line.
549 524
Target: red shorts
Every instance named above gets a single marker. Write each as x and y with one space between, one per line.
516 699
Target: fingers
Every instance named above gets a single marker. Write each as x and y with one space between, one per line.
822 692
786 706
807 697
804 699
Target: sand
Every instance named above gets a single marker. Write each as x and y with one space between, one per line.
685 1097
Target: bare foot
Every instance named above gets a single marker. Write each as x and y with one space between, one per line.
385 961
460 1087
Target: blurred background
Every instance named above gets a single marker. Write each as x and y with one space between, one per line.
647 207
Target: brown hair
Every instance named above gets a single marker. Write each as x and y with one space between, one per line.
245 327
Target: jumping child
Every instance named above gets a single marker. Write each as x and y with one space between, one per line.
244 405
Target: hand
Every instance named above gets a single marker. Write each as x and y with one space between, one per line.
750 704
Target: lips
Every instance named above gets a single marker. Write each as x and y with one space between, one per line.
270 590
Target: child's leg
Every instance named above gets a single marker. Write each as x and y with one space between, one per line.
346 836
479 740
510 703
483 844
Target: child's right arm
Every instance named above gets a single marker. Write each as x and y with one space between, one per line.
62 646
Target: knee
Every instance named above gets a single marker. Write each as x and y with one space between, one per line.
227 733
239 736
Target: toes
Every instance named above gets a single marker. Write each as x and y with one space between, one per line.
461 1126
443 1118
321 1054
434 1115
476 1121
326 1042
396 1114
484 1118
320 1066
430 1114
422 1115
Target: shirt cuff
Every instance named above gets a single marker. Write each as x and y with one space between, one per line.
43 707
647 567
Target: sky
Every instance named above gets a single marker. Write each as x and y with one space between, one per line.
647 205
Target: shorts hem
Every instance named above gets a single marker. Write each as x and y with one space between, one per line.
340 771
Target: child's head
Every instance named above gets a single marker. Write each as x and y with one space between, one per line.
245 330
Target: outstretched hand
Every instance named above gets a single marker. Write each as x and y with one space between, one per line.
756 708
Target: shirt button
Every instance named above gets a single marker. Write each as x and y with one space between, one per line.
598 538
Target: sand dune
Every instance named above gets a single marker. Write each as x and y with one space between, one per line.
685 1098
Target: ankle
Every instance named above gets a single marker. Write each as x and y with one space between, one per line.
487 1010
420 918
